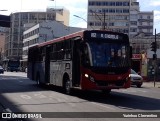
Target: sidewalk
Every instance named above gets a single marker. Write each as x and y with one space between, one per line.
151 84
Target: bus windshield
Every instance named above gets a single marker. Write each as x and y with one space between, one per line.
108 54
14 63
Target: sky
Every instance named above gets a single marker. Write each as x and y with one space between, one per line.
76 7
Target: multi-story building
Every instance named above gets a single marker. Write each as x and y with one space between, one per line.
145 22
14 40
109 14
43 32
2 40
120 16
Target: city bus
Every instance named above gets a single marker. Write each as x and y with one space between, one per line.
11 65
87 60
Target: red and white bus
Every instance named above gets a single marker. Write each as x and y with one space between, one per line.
88 60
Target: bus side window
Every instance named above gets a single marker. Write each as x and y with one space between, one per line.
67 49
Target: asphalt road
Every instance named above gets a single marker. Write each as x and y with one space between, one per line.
19 94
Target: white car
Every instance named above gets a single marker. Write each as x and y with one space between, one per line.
136 79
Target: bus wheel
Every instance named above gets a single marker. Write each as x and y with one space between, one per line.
67 86
106 91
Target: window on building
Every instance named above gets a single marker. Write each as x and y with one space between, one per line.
98 3
125 10
133 22
148 30
32 16
119 10
111 10
111 24
140 23
119 3
140 30
125 3
133 16
91 23
141 17
42 16
133 30
98 24
148 17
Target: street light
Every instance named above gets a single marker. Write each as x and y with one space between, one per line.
83 20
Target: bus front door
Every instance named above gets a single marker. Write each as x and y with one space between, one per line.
76 63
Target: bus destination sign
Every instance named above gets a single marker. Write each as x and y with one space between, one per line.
104 36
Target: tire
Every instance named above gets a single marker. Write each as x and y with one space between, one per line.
139 85
67 87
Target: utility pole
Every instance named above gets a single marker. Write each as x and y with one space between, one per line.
154 49
155 60
104 21
100 18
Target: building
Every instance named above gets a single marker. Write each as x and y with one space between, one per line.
42 32
143 61
2 41
141 22
145 22
109 15
14 40
142 42
120 16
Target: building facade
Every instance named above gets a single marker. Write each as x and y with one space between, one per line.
14 39
2 39
120 16
43 32
2 42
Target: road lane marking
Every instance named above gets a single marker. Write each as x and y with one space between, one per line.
104 106
39 95
25 97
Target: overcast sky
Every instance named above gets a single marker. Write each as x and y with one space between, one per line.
76 7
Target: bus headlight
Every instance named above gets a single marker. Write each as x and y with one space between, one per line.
89 77
86 75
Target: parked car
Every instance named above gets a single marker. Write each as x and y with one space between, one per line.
136 79
1 70
26 70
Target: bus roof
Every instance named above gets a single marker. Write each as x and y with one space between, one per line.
80 34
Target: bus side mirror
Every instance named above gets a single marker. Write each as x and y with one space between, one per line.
130 51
